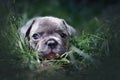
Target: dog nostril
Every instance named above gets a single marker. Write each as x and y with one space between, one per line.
52 43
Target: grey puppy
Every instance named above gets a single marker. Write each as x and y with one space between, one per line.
48 35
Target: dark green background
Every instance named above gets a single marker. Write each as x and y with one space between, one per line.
81 14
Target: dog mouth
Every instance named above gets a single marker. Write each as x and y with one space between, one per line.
48 55
51 55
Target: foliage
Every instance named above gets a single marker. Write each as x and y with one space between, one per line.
94 54
82 49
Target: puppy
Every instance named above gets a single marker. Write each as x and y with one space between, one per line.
49 36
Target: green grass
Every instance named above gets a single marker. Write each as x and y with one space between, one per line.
82 52
94 54
86 53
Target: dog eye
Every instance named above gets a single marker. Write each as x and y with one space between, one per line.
63 35
36 36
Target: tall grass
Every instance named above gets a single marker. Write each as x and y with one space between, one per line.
83 50
86 58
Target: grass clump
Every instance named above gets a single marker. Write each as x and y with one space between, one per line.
18 52
83 49
85 53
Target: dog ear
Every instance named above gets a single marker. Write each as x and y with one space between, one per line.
70 29
25 30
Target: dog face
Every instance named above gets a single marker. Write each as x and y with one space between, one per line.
47 35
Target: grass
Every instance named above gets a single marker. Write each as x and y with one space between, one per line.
82 52
86 53
94 54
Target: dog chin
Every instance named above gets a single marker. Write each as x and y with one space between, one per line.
50 55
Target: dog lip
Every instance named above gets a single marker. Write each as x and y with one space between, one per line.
50 55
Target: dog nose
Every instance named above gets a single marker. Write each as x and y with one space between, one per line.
52 43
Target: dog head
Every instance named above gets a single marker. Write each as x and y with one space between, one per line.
47 35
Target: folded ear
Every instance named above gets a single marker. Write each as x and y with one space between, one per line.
70 29
25 29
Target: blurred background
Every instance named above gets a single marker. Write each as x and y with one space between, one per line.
86 16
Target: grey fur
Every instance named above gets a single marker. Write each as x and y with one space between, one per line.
52 27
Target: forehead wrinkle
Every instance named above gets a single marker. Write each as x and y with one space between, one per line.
49 25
